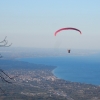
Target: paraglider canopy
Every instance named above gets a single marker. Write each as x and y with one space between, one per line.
68 28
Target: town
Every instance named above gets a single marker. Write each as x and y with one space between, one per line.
40 82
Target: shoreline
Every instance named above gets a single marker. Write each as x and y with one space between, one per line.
58 76
69 80
55 74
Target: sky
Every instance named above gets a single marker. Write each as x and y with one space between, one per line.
32 23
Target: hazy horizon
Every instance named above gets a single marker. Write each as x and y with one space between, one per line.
31 23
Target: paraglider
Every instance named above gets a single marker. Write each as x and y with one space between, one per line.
68 50
68 28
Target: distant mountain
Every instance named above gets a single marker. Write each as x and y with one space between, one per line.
7 64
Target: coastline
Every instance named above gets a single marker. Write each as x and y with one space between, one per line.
52 62
54 73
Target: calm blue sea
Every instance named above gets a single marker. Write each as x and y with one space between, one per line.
83 69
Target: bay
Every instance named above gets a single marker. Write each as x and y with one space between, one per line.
83 69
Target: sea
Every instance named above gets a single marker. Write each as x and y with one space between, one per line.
83 69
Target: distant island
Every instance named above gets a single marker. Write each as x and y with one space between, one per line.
37 82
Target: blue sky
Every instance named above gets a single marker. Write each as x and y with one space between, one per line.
32 23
